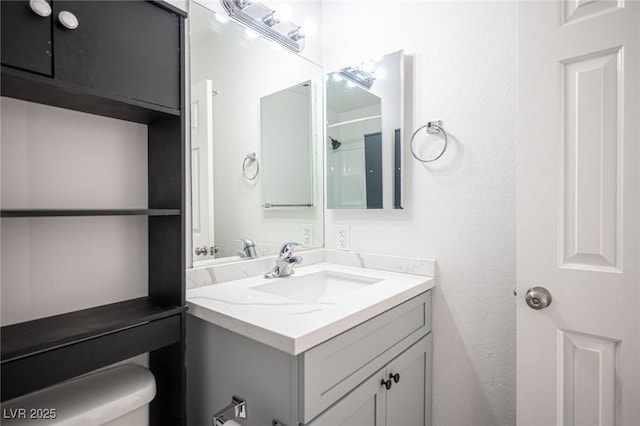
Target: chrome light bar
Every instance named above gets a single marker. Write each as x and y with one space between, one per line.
260 18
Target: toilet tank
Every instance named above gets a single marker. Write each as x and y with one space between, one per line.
117 396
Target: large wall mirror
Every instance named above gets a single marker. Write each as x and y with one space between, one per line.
364 134
256 142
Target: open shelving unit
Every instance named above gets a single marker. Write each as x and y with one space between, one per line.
45 351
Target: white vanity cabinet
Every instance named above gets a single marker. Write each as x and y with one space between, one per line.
337 382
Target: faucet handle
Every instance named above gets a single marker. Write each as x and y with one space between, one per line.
246 242
287 249
248 248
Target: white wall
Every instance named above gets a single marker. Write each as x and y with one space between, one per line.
53 158
461 209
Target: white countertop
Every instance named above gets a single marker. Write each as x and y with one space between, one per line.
293 326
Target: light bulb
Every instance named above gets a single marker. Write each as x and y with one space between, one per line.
310 27
336 77
350 84
283 13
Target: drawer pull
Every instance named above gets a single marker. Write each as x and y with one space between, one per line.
395 377
68 20
40 7
386 383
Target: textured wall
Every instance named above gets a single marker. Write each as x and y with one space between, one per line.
461 209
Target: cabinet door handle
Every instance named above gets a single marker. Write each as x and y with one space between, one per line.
386 383
395 377
68 20
40 7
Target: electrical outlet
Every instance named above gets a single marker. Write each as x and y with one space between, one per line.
307 235
342 237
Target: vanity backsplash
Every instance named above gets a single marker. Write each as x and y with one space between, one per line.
215 274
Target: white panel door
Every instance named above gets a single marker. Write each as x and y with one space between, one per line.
579 212
202 169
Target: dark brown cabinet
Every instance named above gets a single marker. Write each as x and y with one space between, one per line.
26 38
127 49
124 60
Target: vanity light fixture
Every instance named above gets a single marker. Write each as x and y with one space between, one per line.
297 34
272 24
358 76
271 19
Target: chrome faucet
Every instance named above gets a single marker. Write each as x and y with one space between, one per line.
248 249
285 262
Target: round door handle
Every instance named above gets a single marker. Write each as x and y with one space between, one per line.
386 383
68 20
40 7
538 298
201 251
395 377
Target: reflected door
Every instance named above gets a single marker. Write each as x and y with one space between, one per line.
373 169
202 170
578 212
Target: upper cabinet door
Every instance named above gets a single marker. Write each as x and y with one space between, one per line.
26 35
121 48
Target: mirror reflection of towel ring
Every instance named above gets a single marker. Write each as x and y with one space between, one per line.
432 127
250 158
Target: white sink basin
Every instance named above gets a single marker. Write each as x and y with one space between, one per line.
319 287
296 313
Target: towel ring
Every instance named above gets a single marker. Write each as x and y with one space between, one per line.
432 127
251 157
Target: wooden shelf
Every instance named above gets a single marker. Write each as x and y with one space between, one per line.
42 352
45 90
31 337
87 212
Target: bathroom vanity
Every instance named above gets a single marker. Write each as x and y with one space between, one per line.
348 346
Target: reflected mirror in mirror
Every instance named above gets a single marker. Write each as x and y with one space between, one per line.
364 134
285 120
256 143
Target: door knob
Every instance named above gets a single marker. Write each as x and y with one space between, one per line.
40 7
68 20
538 298
201 250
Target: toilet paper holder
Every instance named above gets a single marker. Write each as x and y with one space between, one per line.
237 409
